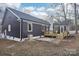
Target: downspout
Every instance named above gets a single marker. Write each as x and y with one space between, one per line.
21 27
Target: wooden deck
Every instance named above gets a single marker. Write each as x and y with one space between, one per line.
55 34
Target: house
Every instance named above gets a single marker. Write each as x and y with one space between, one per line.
60 27
20 25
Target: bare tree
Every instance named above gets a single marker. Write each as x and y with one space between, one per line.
64 11
75 13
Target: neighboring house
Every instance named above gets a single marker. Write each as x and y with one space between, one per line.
59 27
20 25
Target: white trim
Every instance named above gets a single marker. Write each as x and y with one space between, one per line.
34 22
14 13
9 27
18 39
28 27
36 37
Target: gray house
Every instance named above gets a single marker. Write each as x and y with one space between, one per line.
20 25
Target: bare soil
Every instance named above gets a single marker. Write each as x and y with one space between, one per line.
65 47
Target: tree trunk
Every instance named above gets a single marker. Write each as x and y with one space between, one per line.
65 16
75 12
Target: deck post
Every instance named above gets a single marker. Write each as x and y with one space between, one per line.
48 28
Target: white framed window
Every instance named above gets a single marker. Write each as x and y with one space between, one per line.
5 32
9 27
47 28
29 27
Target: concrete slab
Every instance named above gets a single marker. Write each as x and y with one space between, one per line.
45 39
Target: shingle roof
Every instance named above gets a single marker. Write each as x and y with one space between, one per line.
28 17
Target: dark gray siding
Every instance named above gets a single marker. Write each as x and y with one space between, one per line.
37 30
9 18
24 32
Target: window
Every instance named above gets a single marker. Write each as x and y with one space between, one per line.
47 28
43 28
9 27
0 10
5 32
29 27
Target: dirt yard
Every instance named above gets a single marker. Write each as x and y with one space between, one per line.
39 48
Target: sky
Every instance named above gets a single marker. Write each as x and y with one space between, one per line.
34 4
38 9
38 4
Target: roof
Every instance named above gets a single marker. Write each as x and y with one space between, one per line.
67 22
28 17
